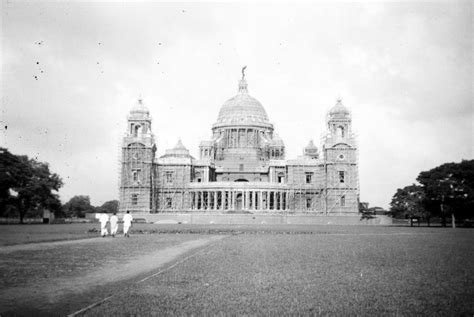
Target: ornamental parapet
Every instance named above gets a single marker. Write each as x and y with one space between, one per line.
220 186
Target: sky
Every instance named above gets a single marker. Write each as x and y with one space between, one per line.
71 72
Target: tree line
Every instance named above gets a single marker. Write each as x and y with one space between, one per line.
28 187
445 192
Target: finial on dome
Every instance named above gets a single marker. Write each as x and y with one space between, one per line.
243 83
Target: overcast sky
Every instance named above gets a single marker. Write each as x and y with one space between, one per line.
72 71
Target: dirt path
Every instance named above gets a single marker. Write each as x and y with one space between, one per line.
54 290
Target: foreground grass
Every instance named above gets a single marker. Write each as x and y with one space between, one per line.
34 233
54 279
359 272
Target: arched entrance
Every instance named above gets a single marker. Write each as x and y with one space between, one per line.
238 201
241 180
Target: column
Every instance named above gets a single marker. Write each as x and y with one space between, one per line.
253 206
269 196
261 200
223 195
232 195
281 200
247 200
215 200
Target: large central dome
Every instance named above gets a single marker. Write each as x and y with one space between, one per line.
242 109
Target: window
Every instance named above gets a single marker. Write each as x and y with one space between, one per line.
241 167
341 176
169 177
134 199
136 176
340 131
309 177
197 176
169 202
308 203
137 131
343 201
281 177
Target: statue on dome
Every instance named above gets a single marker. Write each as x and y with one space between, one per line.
243 72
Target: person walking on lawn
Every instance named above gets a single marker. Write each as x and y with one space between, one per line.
113 224
127 223
103 219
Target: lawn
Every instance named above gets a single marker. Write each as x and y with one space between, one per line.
252 270
358 272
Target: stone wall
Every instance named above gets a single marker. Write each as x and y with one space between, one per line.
195 218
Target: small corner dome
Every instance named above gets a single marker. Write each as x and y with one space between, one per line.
179 150
311 150
311 146
277 141
339 109
179 146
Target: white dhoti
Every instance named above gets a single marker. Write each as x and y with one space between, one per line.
113 225
103 229
114 229
126 228
127 223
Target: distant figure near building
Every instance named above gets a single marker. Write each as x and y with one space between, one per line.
127 223
113 225
104 218
242 168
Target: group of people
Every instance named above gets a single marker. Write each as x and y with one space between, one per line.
104 219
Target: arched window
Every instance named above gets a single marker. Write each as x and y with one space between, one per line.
340 131
137 130
343 201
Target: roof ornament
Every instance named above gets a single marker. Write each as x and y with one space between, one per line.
243 83
243 72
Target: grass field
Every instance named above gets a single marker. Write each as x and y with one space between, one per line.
244 270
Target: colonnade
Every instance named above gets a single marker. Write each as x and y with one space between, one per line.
242 137
240 199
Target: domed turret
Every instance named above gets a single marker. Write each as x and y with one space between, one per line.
139 108
339 110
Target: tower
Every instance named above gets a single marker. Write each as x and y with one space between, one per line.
137 162
340 158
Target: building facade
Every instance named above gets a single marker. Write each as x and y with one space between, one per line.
242 168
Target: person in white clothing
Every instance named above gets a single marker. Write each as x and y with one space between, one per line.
127 223
103 219
113 224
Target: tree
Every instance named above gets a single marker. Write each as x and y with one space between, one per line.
26 186
408 203
78 206
449 190
110 207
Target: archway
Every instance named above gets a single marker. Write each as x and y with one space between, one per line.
238 201
241 180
